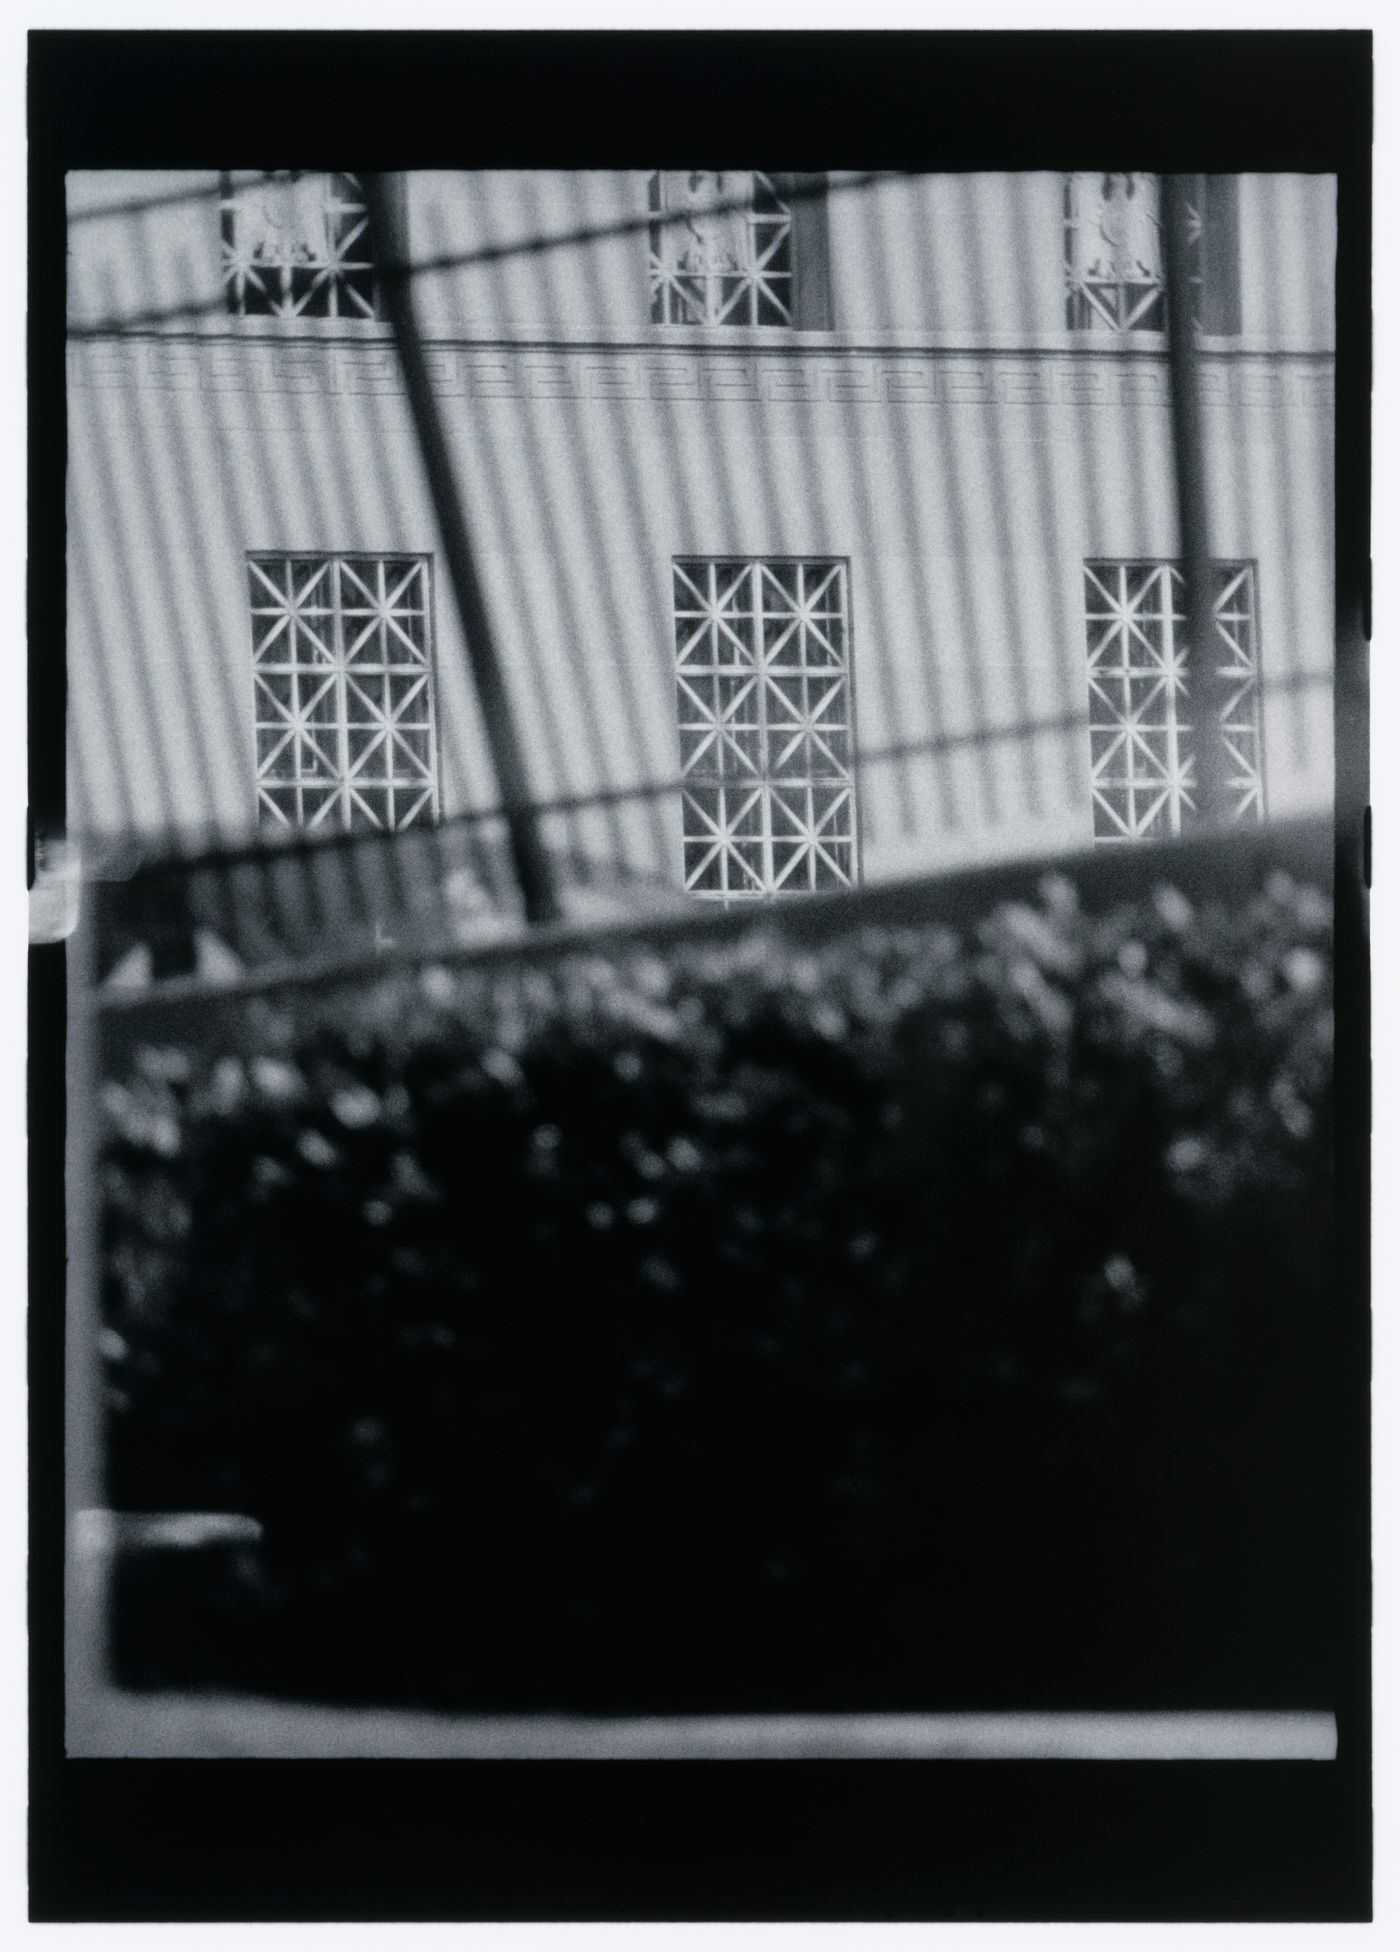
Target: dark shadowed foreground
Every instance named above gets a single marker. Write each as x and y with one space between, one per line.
937 1317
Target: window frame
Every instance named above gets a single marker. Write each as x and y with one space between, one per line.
764 780
337 314
1215 278
802 196
1249 784
336 816
1086 308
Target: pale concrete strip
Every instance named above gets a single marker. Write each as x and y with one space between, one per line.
212 1726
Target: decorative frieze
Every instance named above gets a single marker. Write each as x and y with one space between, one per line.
733 379
1028 384
910 381
812 378
1260 388
1145 384
614 379
1086 383
968 383
673 379
375 370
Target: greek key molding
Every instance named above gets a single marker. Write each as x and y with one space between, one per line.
811 378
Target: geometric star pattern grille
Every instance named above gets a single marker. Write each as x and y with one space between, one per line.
1115 252
763 691
1142 738
725 256
343 693
296 245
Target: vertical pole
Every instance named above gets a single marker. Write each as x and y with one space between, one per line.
1207 691
533 869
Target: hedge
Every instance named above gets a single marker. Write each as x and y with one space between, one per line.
939 1316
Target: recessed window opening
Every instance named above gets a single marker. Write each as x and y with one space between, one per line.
343 691
763 689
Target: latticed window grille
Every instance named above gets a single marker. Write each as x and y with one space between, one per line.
296 245
1141 732
763 688
343 691
724 254
1115 252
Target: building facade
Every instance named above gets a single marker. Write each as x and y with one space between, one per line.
826 524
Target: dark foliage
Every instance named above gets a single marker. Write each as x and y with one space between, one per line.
931 1319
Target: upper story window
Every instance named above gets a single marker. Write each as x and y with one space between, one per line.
1114 250
342 690
296 245
1115 253
722 249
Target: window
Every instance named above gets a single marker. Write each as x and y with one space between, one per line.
342 685
1141 736
296 245
721 249
762 678
1115 253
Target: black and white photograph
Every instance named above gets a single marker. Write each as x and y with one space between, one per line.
698 1008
